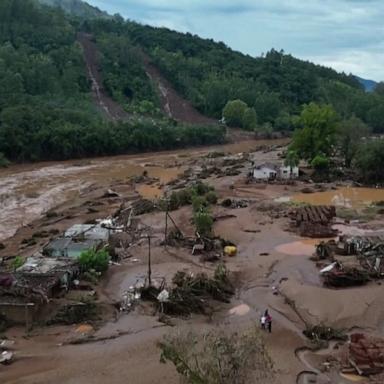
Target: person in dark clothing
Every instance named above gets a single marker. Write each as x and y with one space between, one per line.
269 323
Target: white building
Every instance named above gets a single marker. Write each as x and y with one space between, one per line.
268 171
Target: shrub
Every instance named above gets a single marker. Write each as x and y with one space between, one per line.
17 262
211 197
320 163
4 162
92 259
218 356
203 223
199 203
201 189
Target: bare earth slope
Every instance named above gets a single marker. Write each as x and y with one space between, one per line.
172 104
111 109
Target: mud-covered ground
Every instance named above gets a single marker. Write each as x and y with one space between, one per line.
123 349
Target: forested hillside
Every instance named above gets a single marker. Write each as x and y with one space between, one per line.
77 8
46 109
209 74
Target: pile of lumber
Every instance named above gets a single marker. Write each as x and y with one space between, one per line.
365 355
314 221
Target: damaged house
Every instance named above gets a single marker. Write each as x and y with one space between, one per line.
25 294
270 171
77 239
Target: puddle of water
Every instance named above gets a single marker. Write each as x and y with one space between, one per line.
304 247
343 197
150 192
240 310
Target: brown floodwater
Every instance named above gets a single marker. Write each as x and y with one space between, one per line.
27 191
150 192
342 197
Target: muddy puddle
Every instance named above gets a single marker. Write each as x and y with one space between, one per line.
305 247
343 197
150 192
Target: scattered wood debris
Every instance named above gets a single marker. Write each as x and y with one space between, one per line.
314 221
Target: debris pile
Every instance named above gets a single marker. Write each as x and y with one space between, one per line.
6 356
346 278
364 355
356 260
234 204
321 333
314 221
192 293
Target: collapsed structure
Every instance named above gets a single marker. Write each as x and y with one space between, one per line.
355 260
364 355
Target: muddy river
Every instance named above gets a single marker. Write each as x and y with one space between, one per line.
28 191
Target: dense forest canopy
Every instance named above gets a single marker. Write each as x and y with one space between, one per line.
77 8
210 74
46 108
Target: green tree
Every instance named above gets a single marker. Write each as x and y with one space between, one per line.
249 119
375 117
369 161
203 223
379 89
292 160
233 113
92 259
4 162
320 163
316 132
350 133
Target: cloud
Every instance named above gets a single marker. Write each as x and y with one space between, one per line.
345 34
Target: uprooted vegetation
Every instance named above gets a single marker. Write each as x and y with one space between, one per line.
321 334
193 293
218 356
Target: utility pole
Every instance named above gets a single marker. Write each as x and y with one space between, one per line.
149 261
166 222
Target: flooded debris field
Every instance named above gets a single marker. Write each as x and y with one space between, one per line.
129 249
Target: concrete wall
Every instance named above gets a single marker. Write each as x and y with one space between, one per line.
263 173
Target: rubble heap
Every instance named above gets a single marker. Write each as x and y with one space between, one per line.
364 355
356 260
192 293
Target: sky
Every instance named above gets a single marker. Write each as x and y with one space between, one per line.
347 35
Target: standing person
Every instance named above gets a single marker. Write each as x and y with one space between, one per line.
263 321
269 323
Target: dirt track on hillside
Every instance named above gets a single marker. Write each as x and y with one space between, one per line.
172 104
111 109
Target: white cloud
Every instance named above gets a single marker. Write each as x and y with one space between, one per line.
345 34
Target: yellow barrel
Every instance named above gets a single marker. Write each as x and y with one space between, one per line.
230 250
